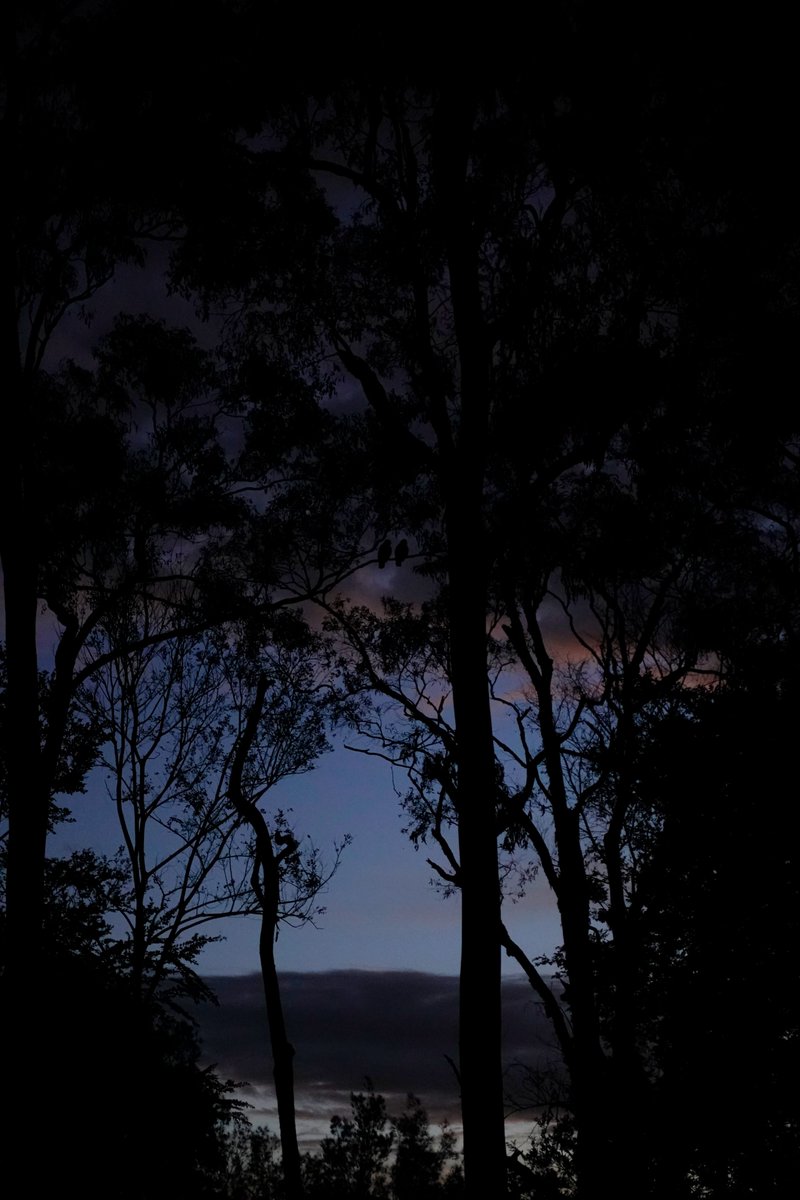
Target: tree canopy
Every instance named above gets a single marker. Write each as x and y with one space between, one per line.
512 324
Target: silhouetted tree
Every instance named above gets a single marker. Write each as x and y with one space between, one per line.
282 717
371 1155
104 164
717 990
252 1170
491 264
169 736
540 282
420 1161
130 1102
353 1160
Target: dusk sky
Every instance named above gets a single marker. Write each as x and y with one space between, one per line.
382 912
371 989
388 943
396 1027
398 608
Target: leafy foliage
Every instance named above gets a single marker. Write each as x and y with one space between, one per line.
372 1156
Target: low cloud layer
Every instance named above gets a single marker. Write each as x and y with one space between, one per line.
396 1027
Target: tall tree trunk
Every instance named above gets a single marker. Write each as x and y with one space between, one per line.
27 795
463 456
480 1014
27 805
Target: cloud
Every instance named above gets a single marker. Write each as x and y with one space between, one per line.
396 1027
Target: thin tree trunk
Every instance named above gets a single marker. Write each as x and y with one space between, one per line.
266 884
282 1057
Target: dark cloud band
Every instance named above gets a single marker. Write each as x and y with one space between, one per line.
397 1027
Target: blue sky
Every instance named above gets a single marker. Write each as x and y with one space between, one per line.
387 936
371 990
382 912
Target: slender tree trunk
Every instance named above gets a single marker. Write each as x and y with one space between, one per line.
266 884
282 1058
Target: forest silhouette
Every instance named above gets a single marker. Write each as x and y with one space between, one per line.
513 324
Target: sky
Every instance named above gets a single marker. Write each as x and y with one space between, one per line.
395 1028
370 989
383 912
